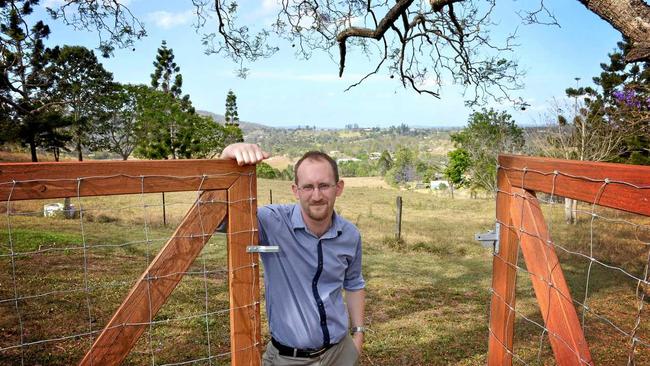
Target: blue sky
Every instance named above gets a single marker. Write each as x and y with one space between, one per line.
285 91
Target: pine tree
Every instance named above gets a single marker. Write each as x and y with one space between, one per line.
165 69
168 79
621 102
232 117
26 79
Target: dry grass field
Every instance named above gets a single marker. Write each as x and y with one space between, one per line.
428 294
279 161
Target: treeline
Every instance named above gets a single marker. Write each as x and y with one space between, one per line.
61 99
608 121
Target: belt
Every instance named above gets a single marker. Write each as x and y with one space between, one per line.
297 352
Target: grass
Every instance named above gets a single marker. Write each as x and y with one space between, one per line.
427 293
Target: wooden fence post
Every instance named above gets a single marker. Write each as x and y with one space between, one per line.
398 219
164 210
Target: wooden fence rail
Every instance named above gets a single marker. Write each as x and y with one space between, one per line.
623 187
220 182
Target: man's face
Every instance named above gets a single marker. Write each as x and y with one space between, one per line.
316 189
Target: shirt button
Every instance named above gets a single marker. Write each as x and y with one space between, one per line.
322 322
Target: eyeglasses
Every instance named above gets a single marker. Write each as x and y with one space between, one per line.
322 187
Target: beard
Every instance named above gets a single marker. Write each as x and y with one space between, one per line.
318 211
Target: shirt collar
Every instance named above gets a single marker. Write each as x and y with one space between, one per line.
297 222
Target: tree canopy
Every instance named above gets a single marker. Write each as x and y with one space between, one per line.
488 134
422 44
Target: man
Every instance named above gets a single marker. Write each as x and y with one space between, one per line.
319 258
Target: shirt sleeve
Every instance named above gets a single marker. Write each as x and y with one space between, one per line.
353 278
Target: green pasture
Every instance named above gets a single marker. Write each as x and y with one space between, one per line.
427 294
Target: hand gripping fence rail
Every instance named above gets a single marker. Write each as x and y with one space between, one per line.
523 227
35 332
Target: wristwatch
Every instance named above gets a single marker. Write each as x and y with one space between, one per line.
357 330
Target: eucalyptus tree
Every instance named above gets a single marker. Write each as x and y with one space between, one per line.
488 134
115 131
80 84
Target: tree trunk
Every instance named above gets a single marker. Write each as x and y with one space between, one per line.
68 212
630 17
79 152
570 207
32 149
57 154
574 211
451 189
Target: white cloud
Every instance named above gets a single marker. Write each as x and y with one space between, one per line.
167 20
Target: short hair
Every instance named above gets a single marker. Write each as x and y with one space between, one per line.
316 155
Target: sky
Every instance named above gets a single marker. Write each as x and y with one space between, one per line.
286 91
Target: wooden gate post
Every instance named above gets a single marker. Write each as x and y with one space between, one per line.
245 325
504 275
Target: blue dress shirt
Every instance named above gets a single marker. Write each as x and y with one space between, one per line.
304 281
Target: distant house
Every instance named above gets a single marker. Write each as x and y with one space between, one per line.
439 184
345 160
334 153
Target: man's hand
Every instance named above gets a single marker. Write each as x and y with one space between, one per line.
244 153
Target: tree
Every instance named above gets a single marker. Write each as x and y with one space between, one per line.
195 136
413 41
80 82
385 162
46 129
403 169
418 42
488 133
605 123
167 74
168 79
156 111
457 168
233 134
26 77
116 131
266 171
231 116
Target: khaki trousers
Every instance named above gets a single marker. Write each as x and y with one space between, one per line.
342 354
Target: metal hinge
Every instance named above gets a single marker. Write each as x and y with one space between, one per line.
262 249
490 239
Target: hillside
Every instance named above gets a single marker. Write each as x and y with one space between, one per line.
247 127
